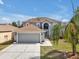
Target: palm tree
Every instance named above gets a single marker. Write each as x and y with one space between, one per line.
75 18
72 31
70 36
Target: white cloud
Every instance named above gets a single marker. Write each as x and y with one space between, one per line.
21 17
1 2
59 18
14 17
65 20
5 19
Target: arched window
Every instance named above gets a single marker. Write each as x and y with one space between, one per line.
46 26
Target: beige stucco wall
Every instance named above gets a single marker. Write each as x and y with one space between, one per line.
5 36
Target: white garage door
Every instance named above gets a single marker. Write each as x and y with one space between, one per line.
28 37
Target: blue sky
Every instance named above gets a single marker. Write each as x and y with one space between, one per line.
14 10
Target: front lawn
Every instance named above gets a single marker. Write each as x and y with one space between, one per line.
62 46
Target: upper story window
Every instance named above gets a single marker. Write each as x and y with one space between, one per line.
46 26
38 24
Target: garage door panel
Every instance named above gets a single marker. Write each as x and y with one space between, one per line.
29 37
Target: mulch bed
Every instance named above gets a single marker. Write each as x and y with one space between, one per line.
70 56
61 55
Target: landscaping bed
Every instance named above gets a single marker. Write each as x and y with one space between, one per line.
70 56
63 48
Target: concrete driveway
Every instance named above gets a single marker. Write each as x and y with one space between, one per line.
21 51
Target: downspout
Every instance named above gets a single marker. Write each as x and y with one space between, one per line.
17 37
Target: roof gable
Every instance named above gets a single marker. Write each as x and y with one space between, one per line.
41 19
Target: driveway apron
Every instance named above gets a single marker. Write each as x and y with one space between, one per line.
21 51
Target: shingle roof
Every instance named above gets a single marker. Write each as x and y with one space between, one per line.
29 28
6 27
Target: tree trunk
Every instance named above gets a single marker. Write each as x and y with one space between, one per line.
73 49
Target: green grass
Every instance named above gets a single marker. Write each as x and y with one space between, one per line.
62 46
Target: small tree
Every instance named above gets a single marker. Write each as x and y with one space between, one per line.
14 24
55 35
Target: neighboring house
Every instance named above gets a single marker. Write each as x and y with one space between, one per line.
43 23
26 34
29 34
6 32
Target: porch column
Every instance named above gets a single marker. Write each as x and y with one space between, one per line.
49 29
42 25
40 38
